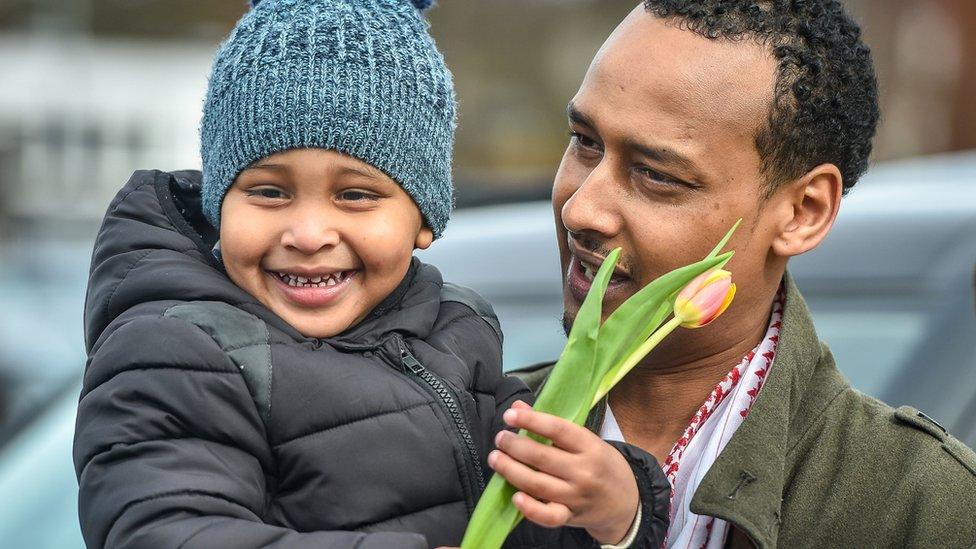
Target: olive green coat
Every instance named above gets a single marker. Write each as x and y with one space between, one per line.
819 464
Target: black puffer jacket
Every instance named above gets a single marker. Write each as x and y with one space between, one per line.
205 420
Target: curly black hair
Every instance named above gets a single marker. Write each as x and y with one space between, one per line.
825 104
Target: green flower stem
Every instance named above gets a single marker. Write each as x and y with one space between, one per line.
617 373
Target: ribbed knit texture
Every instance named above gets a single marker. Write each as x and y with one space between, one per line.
362 77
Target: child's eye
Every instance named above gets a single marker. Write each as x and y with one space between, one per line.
356 196
265 192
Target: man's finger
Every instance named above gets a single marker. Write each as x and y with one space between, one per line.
555 461
539 484
550 515
563 433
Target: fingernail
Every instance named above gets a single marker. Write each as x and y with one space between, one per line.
492 458
517 498
509 417
499 438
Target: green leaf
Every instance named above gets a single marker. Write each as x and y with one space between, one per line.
494 518
725 240
619 337
593 353
564 394
635 319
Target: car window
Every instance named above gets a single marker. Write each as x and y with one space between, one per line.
42 288
870 345
37 479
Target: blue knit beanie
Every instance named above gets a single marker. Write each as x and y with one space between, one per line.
362 77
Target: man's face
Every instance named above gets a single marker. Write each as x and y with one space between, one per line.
662 161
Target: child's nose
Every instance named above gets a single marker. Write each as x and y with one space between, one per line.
309 234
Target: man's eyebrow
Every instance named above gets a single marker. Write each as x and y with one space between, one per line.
664 155
577 116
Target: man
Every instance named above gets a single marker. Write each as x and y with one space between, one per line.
692 115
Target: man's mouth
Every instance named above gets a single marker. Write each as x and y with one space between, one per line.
322 280
580 277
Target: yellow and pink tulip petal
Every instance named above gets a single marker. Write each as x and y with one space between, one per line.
704 298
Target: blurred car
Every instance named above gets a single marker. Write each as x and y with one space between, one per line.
891 290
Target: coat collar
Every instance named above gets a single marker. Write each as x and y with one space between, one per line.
745 486
746 483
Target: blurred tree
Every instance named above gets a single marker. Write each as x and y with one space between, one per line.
518 62
963 12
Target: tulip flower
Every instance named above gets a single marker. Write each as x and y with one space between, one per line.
597 356
704 298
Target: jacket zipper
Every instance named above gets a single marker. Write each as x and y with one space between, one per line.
451 405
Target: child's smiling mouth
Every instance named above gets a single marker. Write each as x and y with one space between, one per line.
312 289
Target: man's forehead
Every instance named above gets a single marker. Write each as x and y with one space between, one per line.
649 61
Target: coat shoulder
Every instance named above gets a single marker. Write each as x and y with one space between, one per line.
912 418
534 375
914 434
867 474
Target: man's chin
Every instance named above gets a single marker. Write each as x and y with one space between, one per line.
570 310
568 322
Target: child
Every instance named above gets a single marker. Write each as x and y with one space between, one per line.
268 365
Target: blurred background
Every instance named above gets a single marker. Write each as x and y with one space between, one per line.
91 90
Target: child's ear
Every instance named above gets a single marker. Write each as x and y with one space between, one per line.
424 238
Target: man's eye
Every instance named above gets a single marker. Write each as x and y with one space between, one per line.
659 178
584 141
265 192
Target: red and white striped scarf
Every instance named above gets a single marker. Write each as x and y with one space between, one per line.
703 440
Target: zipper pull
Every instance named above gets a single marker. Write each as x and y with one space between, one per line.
408 360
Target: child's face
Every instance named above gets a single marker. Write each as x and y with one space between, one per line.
319 215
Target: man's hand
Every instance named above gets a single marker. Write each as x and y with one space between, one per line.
579 481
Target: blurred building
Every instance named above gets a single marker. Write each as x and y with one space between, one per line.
92 89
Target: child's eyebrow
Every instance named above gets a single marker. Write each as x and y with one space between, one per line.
367 171
272 167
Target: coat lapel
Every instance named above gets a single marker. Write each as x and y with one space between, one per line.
745 486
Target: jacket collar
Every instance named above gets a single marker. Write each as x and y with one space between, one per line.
745 485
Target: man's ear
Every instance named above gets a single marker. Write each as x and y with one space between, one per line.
812 203
424 238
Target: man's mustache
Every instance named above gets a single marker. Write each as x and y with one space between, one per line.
599 247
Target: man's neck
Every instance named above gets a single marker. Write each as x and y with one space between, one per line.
656 401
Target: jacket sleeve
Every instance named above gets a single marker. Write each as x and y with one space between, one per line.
170 451
655 495
652 486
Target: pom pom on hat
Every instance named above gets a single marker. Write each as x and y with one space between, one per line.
421 4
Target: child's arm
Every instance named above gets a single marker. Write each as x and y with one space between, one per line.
581 480
170 450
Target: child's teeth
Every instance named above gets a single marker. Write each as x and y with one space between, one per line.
315 280
302 279
331 281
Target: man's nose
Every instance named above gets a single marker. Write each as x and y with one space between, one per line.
309 231
594 205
